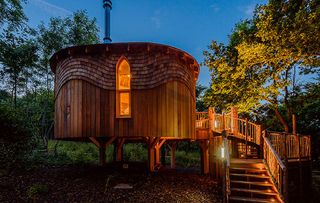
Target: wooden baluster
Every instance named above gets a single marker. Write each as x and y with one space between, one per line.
246 134
223 124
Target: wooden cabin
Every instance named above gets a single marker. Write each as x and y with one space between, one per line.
124 91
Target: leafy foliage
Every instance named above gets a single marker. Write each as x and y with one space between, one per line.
264 56
16 138
11 13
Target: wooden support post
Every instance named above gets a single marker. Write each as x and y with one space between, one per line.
204 157
158 146
119 149
151 149
157 154
294 132
102 150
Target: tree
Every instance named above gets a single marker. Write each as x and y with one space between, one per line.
17 57
200 104
264 55
11 13
77 29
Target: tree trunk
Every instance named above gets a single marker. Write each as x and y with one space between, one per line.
282 120
15 92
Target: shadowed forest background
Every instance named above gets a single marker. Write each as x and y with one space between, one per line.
269 69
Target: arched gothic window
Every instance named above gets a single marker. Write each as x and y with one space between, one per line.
123 95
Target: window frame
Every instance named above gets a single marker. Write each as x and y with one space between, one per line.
119 91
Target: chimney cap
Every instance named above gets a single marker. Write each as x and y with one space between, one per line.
107 3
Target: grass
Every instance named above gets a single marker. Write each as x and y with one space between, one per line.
67 152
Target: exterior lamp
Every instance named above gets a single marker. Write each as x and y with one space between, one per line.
222 152
216 124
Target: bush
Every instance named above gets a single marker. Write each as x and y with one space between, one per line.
37 190
135 152
15 138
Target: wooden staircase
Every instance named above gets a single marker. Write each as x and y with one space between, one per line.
250 182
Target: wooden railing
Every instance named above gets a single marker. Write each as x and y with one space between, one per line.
278 148
276 167
289 146
202 120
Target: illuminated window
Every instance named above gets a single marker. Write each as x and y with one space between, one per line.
123 88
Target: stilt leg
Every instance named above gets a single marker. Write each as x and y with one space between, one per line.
119 150
151 161
204 157
157 153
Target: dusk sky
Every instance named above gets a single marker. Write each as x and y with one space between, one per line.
189 25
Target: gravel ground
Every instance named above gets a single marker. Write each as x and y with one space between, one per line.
96 184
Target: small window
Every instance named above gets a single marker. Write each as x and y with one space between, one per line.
123 88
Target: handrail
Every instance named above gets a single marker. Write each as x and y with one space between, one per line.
268 143
276 167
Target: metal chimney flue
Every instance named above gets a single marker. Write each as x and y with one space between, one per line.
107 5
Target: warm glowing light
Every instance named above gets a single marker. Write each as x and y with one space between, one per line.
123 88
222 152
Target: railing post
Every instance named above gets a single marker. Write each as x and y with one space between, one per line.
211 116
259 135
234 120
294 132
285 182
246 132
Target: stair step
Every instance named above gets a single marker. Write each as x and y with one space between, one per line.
248 199
262 192
250 175
248 169
252 183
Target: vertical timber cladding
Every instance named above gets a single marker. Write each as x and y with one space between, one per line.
163 82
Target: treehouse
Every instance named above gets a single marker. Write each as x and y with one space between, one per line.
124 92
